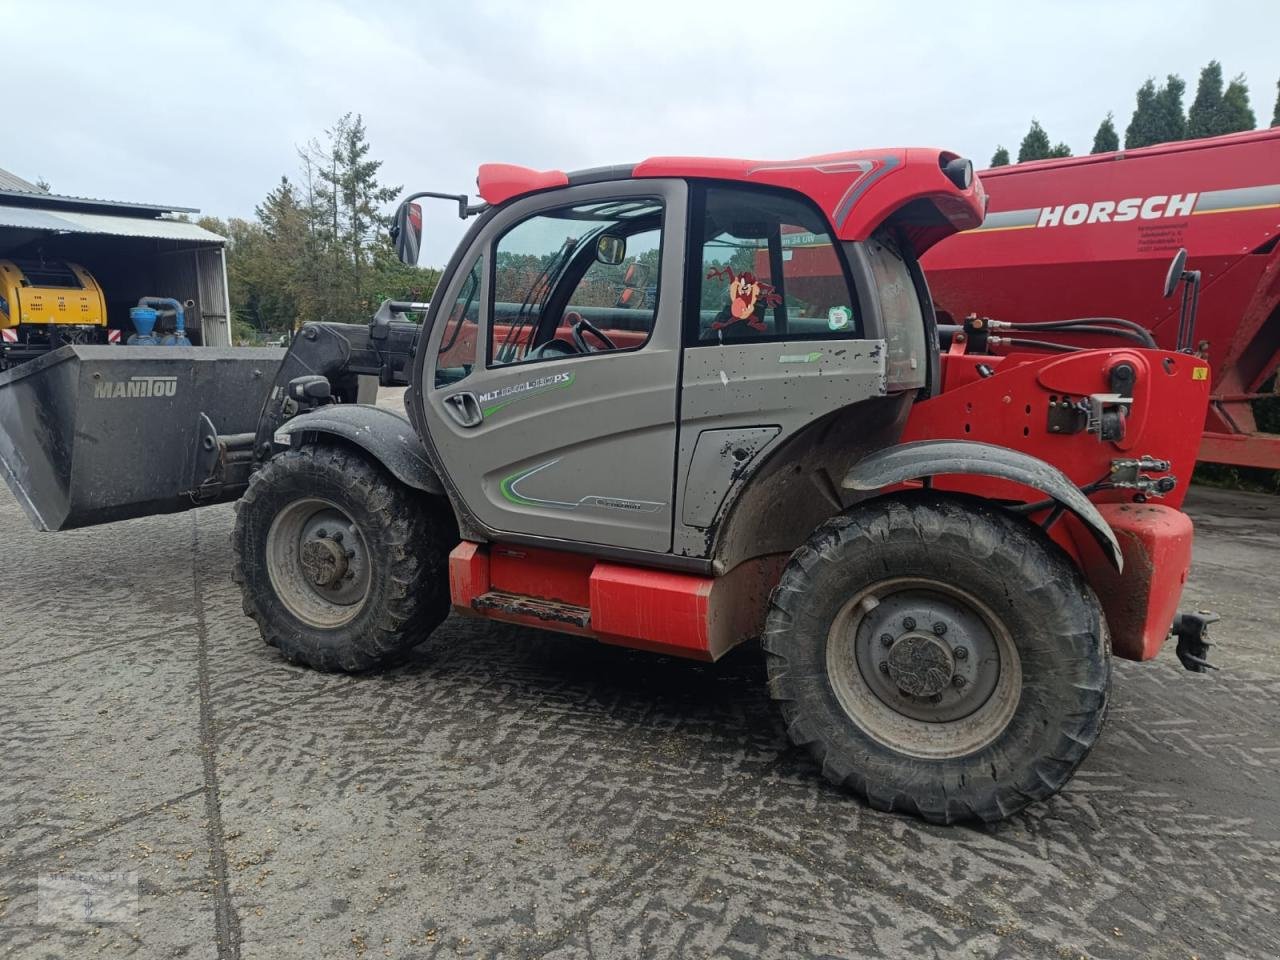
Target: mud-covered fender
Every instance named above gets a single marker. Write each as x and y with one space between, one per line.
929 458
388 437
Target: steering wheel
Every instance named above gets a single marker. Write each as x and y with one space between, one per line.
552 348
579 325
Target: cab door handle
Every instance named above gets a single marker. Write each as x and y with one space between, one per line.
464 408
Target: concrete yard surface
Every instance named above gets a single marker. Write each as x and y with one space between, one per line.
510 793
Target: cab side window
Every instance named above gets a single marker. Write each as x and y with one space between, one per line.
770 269
576 279
457 353
622 299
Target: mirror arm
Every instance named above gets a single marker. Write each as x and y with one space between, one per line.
465 208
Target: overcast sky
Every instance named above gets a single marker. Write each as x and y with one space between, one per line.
203 104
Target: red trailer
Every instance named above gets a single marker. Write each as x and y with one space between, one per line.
1093 237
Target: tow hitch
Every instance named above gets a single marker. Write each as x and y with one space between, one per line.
1192 631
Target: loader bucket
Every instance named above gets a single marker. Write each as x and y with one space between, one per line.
93 434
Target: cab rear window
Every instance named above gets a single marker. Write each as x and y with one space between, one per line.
906 359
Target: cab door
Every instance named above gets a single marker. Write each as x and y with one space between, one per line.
549 427
778 336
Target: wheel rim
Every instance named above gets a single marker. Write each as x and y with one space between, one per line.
924 667
318 563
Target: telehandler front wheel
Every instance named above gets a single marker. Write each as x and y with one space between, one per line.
342 566
940 656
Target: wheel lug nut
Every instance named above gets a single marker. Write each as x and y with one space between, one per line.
961 653
940 628
884 668
886 639
957 681
337 536
908 623
322 533
351 554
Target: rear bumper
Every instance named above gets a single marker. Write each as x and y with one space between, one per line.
1141 602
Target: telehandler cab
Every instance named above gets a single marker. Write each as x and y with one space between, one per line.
689 402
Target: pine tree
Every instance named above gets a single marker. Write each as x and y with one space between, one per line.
284 275
1204 119
1000 158
362 199
280 213
1275 114
1158 117
1237 115
318 279
1172 121
1106 139
327 218
1035 145
1060 150
318 249
1139 132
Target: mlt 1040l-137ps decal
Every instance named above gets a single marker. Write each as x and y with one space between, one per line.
494 400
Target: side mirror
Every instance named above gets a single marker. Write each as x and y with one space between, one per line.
611 250
406 232
1176 269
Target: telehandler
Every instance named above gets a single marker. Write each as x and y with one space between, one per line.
674 406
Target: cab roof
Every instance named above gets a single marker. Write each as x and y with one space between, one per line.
858 191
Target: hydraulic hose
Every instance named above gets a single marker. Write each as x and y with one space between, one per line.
1104 325
171 304
1101 484
1093 328
1038 344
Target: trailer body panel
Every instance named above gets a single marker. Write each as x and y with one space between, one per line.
1093 236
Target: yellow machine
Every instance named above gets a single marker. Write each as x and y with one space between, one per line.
37 293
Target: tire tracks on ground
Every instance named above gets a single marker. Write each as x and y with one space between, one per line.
226 920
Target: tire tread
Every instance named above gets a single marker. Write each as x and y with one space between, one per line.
412 538
968 536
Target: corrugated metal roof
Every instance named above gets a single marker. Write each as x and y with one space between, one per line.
69 221
60 200
11 181
14 188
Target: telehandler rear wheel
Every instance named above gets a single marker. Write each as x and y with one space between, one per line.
342 566
940 656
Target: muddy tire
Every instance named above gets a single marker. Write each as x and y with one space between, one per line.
939 656
341 565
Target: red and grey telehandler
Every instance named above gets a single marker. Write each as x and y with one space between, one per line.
678 405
